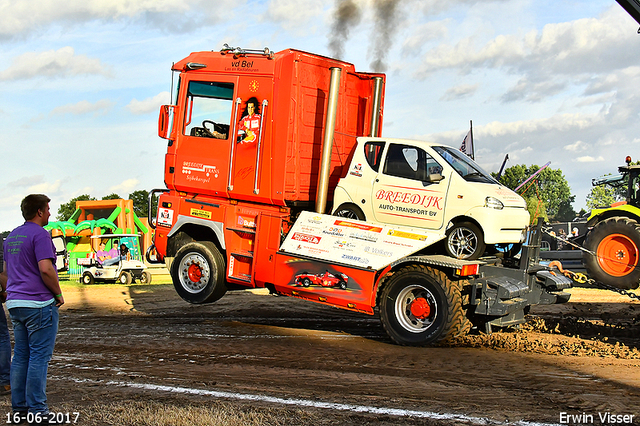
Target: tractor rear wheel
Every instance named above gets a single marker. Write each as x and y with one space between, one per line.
421 306
616 245
198 272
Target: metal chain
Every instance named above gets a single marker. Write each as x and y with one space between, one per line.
581 278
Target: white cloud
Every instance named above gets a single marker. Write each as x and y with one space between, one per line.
124 188
295 15
83 107
589 159
576 147
52 63
150 104
23 17
48 188
459 92
26 181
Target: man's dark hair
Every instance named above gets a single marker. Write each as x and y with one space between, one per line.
32 203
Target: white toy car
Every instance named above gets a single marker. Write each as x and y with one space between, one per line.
124 271
434 186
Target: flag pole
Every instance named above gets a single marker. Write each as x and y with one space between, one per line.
473 147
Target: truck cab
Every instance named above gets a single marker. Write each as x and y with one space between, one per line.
432 186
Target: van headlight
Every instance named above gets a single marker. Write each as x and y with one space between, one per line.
493 203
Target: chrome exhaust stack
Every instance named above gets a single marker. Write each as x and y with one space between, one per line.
375 109
327 143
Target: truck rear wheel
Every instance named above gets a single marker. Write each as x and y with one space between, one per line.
616 245
198 272
421 306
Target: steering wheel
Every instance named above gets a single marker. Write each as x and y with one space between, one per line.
207 131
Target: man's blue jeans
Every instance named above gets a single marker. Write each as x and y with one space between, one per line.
5 349
34 334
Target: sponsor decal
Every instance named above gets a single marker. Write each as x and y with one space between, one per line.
344 244
401 197
409 235
336 232
356 259
246 223
165 216
387 208
357 170
298 236
364 237
200 213
378 251
188 167
317 251
315 219
243 65
360 226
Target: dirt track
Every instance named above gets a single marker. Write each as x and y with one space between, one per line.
121 343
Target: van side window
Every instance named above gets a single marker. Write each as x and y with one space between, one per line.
208 109
410 162
373 154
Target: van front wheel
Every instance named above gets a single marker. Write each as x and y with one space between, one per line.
349 211
465 241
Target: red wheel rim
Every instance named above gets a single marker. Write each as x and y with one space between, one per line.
617 255
420 308
194 272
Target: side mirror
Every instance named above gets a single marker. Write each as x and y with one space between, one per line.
165 121
434 178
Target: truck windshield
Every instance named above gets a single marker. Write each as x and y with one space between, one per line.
465 166
208 109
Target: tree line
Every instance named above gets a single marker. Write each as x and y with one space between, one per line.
140 203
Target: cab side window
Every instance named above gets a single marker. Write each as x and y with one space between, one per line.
373 154
410 162
208 109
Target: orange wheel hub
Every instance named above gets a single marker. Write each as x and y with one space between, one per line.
617 255
194 272
420 308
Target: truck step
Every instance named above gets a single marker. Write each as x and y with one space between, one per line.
245 278
243 230
247 254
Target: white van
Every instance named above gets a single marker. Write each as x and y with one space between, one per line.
428 185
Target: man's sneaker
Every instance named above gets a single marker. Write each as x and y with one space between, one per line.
5 390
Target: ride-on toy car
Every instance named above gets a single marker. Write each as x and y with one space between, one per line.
124 271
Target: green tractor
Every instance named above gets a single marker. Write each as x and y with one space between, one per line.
614 235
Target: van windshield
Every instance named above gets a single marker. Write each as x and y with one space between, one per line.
465 166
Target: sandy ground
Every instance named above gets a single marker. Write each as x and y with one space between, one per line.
142 342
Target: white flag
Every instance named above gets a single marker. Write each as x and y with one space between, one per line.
467 145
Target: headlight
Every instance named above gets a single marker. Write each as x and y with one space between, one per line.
493 203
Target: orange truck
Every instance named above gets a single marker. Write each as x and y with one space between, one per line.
257 143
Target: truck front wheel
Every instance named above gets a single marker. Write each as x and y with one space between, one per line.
616 245
198 272
421 306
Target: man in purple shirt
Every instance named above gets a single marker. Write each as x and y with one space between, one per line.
30 279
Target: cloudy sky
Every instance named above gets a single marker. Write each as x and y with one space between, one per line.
82 80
